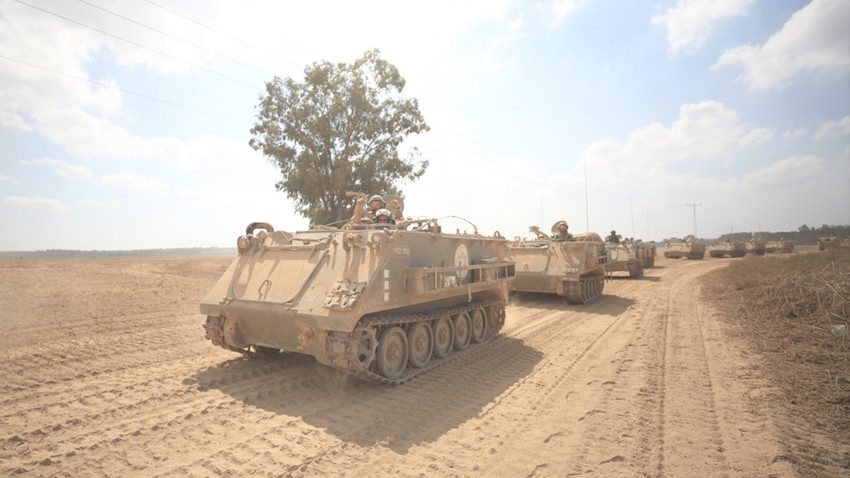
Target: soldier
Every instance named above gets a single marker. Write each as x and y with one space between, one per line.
613 237
560 231
369 212
384 216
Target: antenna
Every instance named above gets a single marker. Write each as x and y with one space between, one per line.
631 210
586 207
695 216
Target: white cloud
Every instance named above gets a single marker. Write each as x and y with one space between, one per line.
813 40
68 170
6 178
11 120
40 203
25 162
74 171
796 134
85 135
789 172
757 136
830 129
98 204
134 182
563 8
705 130
690 23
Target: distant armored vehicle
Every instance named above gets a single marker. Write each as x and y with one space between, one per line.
689 248
380 301
623 257
756 246
826 243
779 247
727 248
573 268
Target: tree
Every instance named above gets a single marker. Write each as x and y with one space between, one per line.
338 131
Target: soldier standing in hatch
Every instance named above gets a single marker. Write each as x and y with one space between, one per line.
561 231
613 237
369 211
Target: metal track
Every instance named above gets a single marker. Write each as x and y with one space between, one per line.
495 322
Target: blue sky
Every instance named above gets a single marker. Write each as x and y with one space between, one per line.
125 124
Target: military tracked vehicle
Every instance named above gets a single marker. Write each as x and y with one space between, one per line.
384 302
646 252
623 257
688 247
782 246
571 267
756 247
727 248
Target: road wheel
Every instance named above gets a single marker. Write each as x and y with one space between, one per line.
443 337
392 353
421 343
463 331
479 325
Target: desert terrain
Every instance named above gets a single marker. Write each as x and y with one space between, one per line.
106 372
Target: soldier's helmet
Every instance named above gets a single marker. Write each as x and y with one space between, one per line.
556 228
613 232
383 212
377 197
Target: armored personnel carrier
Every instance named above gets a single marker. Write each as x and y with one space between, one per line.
825 243
756 247
623 257
646 252
573 268
727 248
380 301
782 246
688 247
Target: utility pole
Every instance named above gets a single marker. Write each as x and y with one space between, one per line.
695 216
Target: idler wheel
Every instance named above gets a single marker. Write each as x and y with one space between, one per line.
421 342
392 353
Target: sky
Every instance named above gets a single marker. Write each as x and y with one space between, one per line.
124 124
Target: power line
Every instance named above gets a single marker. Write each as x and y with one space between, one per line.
139 45
174 37
173 12
107 85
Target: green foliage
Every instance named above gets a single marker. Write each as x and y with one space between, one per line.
338 130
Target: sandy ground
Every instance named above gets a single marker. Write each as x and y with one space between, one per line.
106 372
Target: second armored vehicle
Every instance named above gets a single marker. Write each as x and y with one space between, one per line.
383 302
573 268
623 257
782 246
756 247
727 248
689 248
646 252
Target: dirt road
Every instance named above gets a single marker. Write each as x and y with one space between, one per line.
106 373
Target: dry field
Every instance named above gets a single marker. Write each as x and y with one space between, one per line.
106 373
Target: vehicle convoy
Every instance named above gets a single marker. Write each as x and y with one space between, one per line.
380 301
756 246
623 257
573 268
727 248
782 246
690 248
